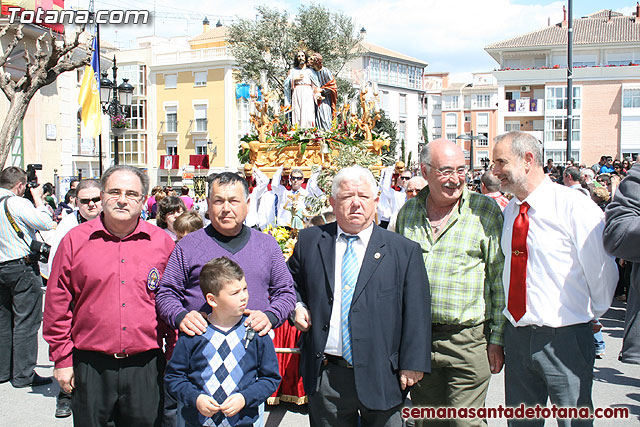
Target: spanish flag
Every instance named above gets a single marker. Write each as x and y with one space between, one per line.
89 98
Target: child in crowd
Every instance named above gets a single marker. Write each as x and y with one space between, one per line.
321 219
186 223
228 371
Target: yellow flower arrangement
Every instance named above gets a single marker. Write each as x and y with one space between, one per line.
283 238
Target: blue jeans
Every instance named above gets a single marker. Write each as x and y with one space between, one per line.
599 340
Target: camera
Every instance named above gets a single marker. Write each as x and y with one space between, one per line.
39 251
32 179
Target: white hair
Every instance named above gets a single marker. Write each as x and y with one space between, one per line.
353 173
588 172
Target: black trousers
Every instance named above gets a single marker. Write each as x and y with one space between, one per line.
335 403
20 317
118 392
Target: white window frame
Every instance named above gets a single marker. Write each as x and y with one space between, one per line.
402 105
451 102
512 126
171 81
200 146
451 123
631 97
556 127
199 117
200 78
402 131
480 117
169 111
132 146
556 98
171 147
482 101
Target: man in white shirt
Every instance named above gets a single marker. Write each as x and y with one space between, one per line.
89 207
392 192
557 278
20 283
571 178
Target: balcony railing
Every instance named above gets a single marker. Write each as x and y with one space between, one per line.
190 56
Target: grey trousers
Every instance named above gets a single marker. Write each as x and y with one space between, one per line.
20 317
553 363
336 404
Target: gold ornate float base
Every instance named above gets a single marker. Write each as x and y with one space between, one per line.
269 159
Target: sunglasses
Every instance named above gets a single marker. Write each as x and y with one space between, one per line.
86 201
405 178
296 178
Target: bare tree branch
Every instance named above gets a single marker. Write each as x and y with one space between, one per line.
50 59
12 45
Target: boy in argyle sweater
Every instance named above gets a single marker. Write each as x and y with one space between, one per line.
222 376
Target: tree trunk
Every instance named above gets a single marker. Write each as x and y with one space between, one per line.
17 109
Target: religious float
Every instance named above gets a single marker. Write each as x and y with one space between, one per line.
276 142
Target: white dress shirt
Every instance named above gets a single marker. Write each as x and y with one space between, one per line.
570 277
334 341
28 218
390 200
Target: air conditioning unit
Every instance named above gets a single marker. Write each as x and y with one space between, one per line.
525 88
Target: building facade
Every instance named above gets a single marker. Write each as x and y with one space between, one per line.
469 116
184 117
400 87
532 86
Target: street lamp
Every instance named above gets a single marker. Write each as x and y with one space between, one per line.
213 149
114 100
470 138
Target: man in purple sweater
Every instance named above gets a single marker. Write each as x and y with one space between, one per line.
179 300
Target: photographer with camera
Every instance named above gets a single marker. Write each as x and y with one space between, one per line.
20 283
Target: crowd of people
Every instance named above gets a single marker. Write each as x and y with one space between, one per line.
160 309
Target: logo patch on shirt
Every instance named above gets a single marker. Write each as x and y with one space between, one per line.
152 279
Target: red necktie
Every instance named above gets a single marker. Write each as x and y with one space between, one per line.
517 304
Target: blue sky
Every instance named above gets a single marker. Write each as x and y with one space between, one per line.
448 34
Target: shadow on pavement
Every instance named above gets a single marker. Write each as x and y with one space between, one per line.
277 412
49 390
634 411
614 376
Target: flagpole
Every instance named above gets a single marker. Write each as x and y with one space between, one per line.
99 136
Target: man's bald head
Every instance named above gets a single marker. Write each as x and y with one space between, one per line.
436 149
414 185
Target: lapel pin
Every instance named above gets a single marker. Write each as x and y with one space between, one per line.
376 255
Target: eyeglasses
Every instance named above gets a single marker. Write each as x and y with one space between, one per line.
405 178
296 178
448 172
128 194
86 201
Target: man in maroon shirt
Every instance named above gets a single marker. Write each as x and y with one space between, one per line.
100 318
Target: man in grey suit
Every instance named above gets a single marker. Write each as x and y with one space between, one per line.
621 237
364 308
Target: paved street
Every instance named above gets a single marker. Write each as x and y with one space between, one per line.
616 385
